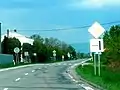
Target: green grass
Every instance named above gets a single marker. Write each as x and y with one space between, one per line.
108 79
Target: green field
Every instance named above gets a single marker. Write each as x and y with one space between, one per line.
109 80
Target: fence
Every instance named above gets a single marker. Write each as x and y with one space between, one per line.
6 59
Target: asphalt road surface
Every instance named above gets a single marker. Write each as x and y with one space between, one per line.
39 77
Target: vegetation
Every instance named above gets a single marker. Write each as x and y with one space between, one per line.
109 80
110 58
43 47
8 46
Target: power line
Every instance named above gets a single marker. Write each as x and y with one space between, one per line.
81 27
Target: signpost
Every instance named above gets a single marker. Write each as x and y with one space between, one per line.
96 30
96 44
16 51
35 54
26 56
68 55
62 57
54 54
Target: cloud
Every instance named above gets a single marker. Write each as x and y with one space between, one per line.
95 4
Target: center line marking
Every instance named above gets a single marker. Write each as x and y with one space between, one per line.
5 89
17 79
33 70
26 73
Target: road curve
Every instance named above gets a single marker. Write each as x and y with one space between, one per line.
39 77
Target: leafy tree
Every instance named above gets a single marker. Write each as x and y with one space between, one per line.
26 47
9 44
44 48
37 37
112 46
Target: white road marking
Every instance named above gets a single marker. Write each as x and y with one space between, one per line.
5 89
76 81
26 73
73 80
70 76
33 70
39 68
17 79
86 87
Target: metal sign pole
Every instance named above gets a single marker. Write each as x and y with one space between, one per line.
99 64
55 58
94 63
17 58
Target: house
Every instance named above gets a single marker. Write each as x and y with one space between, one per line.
21 38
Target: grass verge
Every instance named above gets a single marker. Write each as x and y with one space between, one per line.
109 80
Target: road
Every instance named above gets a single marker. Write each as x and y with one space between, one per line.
39 77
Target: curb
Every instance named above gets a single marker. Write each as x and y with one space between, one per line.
17 67
87 85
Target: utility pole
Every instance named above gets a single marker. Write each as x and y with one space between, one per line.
0 39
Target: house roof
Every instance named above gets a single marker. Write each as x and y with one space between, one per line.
20 37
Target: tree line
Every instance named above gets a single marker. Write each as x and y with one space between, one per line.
43 47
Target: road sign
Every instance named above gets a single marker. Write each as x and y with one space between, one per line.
26 53
54 51
34 54
16 50
96 45
62 56
54 54
96 30
68 54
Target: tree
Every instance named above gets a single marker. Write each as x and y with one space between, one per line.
37 37
9 44
72 51
44 48
26 47
112 46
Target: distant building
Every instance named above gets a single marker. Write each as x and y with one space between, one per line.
21 38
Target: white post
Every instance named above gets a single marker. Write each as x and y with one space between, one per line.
21 55
94 63
99 64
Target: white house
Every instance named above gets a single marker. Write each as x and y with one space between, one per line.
22 38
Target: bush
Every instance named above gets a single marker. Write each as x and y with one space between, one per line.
6 65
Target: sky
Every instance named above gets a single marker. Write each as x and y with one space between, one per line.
31 16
